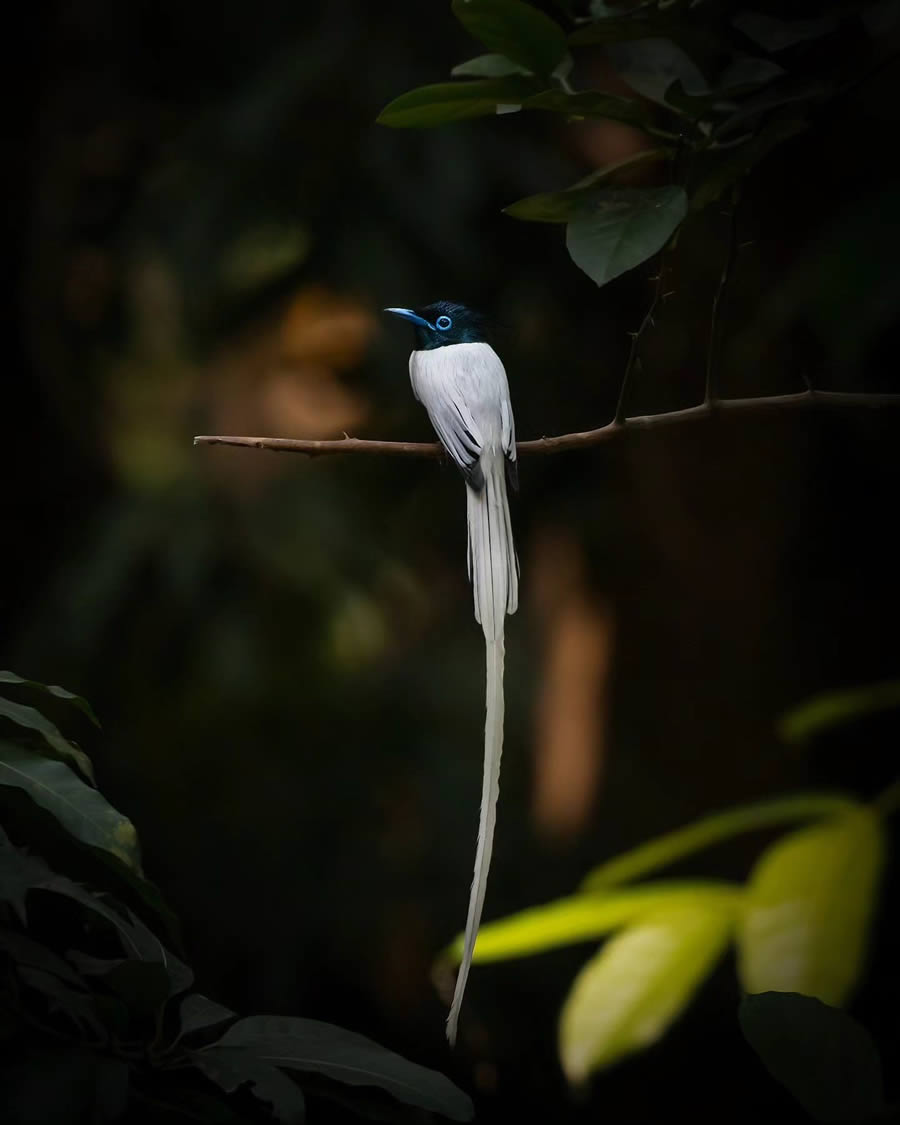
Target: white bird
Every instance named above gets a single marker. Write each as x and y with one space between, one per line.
459 379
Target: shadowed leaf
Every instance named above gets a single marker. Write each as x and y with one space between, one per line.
561 206
31 719
55 690
516 30
198 1012
232 1067
455 101
823 1056
84 812
487 66
623 227
300 1044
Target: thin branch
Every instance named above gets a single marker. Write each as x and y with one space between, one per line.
562 442
638 337
712 355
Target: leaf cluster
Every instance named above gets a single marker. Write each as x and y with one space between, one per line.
96 998
714 88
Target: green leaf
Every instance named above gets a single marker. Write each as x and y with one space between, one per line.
650 66
591 103
809 903
824 1057
516 30
791 92
561 206
629 994
622 227
53 689
583 917
454 101
300 1044
199 1012
487 66
231 1067
774 34
82 811
731 166
31 719
143 985
834 708
24 950
76 1004
665 850
19 872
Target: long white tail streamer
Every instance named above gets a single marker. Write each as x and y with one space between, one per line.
494 574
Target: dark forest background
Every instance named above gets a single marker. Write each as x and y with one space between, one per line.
204 223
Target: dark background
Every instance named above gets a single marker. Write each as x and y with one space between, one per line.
204 222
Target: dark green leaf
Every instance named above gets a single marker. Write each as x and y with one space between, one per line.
25 951
747 71
561 206
628 995
809 904
232 1067
19 872
199 1012
591 103
516 30
84 812
687 33
623 227
487 66
781 94
77 1005
300 1044
774 34
834 708
455 101
650 66
32 719
143 985
823 1056
90 966
53 689
730 166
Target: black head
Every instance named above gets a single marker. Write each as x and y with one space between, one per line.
444 322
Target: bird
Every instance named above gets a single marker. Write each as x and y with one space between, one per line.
460 380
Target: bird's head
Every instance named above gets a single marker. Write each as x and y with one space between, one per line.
443 323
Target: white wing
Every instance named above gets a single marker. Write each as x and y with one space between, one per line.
465 391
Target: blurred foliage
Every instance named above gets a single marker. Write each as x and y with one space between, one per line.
97 1001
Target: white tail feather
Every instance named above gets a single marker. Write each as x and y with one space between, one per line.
494 574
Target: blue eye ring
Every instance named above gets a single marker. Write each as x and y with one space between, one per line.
443 323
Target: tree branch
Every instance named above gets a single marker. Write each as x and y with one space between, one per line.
563 442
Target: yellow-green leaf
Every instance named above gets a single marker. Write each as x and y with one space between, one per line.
81 810
629 994
32 719
516 30
825 711
584 917
808 908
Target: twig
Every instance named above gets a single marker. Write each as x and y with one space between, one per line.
712 354
562 442
637 338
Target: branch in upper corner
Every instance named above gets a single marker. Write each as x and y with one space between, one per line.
562 442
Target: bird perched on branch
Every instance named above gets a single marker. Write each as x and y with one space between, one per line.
459 379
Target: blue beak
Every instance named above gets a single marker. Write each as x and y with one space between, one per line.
408 314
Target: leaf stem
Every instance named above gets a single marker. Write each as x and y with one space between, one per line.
710 830
712 354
